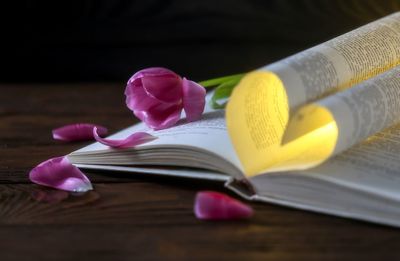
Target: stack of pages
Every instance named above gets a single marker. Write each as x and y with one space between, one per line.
316 131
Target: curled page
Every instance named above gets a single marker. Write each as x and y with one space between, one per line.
261 105
358 113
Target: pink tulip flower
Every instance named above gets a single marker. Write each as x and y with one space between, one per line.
157 96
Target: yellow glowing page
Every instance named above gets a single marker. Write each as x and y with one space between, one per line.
257 115
258 111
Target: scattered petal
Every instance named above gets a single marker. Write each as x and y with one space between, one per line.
194 97
210 205
77 132
130 141
59 173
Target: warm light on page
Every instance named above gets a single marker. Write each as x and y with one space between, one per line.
306 120
306 151
257 116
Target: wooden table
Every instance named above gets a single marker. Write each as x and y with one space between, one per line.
134 217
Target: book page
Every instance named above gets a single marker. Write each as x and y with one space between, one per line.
359 112
362 182
261 105
341 62
372 166
209 134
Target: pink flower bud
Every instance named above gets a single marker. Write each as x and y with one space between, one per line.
157 96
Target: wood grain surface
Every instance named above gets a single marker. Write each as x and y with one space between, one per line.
137 217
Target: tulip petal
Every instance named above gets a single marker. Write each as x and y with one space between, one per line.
161 116
210 205
158 82
157 96
194 99
77 132
137 98
165 88
130 141
152 71
59 173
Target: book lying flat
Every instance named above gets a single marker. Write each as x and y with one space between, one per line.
316 131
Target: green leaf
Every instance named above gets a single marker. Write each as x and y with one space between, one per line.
222 93
221 80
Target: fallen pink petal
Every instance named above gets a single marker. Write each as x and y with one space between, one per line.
210 205
59 173
130 141
78 132
157 97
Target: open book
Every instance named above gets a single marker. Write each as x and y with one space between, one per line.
315 131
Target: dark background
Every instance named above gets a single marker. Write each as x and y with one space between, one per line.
94 40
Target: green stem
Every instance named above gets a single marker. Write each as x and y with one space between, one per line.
223 91
218 81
